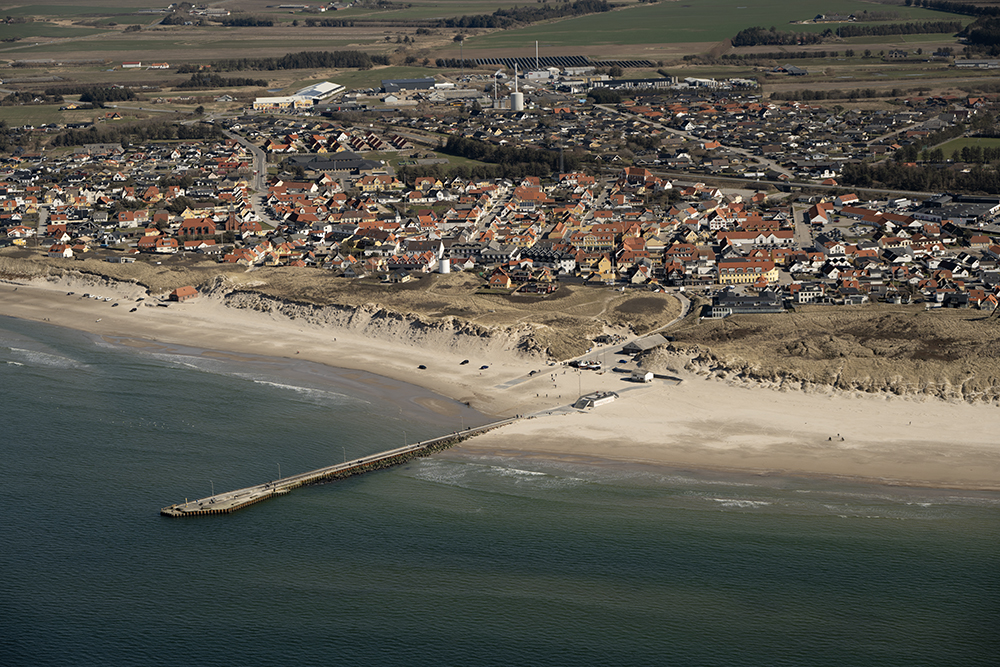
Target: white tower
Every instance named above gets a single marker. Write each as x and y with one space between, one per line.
516 98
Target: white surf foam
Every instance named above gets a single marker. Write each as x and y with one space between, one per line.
36 358
741 503
308 392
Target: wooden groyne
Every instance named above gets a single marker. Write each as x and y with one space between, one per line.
231 501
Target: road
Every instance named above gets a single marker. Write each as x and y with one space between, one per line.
599 353
120 106
259 181
804 233
595 354
495 209
43 220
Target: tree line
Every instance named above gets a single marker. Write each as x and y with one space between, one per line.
102 95
921 178
835 94
93 93
761 36
482 151
983 32
18 98
866 15
913 28
247 21
300 60
240 20
139 132
454 63
781 55
329 23
204 80
513 172
966 8
511 16
604 96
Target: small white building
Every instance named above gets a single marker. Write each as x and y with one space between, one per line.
60 250
595 399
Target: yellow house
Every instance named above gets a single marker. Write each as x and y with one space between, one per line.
742 272
200 212
605 269
691 237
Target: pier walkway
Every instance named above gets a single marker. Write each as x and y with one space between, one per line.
230 501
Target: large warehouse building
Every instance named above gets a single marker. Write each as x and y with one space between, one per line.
303 99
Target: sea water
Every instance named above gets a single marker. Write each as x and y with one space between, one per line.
456 559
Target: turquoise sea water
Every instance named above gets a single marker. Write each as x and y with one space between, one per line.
458 559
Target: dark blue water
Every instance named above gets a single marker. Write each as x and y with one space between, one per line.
456 559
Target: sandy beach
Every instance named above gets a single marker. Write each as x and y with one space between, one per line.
696 423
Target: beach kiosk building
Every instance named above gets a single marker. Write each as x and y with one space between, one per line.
182 294
643 344
595 399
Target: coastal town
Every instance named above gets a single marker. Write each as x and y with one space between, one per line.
596 331
692 185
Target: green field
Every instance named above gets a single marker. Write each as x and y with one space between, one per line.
185 46
41 114
126 19
62 10
902 40
436 9
416 9
39 29
674 22
961 142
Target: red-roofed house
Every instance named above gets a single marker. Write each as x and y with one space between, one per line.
183 293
